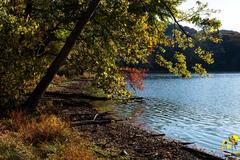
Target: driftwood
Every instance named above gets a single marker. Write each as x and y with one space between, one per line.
203 154
156 135
90 122
186 143
151 135
85 96
135 98
89 116
73 95
230 155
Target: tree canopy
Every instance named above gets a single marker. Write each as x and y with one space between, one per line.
34 32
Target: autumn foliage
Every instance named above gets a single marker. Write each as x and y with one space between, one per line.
135 77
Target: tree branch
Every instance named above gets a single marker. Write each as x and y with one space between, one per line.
175 20
33 99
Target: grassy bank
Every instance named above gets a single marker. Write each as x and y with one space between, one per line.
44 135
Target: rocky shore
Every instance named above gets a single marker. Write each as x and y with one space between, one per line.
109 130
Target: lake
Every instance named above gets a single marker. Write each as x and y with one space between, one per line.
201 110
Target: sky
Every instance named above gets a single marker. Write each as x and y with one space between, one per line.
229 12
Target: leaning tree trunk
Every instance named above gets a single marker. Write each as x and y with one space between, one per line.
32 101
28 9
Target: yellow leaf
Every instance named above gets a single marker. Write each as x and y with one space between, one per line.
233 139
229 146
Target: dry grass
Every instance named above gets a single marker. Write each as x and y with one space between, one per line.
12 148
45 128
59 79
17 119
41 137
73 150
46 136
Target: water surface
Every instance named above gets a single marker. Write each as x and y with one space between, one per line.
201 110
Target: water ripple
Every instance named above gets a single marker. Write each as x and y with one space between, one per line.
200 110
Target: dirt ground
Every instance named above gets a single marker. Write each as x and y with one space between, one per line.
107 130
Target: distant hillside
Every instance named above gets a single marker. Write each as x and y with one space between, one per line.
226 54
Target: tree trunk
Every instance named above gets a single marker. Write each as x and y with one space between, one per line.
28 9
33 99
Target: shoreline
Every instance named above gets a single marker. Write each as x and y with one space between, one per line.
187 145
108 129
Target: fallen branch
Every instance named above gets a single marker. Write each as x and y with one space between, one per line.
90 116
90 122
95 117
186 143
199 153
73 95
156 135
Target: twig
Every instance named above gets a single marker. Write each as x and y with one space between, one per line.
90 122
95 117
175 20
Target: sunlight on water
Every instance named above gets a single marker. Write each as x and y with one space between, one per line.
201 110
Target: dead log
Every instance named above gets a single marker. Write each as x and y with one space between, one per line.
150 135
156 135
203 154
186 143
91 116
91 122
73 95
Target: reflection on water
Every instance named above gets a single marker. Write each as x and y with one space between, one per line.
200 110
